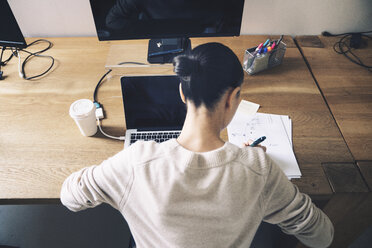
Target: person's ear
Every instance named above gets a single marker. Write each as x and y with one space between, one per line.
183 98
232 95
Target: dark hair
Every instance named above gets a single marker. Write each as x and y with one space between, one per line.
207 73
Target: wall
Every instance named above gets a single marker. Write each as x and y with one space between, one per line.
46 18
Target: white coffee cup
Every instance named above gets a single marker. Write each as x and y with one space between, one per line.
83 112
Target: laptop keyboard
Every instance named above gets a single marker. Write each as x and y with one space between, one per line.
156 136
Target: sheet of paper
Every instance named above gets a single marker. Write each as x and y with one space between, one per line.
248 108
278 138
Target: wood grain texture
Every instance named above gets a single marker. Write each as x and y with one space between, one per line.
348 90
344 178
40 144
309 41
366 170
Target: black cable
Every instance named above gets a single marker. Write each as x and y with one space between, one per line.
2 63
36 54
129 62
103 77
97 86
326 33
340 45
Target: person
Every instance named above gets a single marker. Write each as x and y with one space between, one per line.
197 190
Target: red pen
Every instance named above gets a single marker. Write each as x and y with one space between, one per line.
259 47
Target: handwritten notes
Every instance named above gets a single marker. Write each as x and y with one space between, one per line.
278 132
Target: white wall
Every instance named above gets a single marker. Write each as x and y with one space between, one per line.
46 18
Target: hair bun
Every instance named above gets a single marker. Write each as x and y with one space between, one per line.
185 66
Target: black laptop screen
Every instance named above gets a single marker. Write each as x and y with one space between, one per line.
152 102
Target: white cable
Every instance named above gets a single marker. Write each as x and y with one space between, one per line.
19 65
109 136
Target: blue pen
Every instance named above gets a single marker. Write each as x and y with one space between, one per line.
258 141
259 51
266 42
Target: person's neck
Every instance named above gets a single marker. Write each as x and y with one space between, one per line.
201 131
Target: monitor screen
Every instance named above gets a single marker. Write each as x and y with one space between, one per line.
152 102
10 33
148 19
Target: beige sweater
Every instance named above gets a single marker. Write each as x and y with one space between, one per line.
172 197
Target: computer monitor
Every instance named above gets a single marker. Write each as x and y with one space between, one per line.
167 23
10 33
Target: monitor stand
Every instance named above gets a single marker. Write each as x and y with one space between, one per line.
161 51
130 57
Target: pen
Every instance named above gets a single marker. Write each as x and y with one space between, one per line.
266 42
259 47
258 141
259 51
273 45
280 39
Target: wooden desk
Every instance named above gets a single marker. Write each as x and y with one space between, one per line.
40 144
347 88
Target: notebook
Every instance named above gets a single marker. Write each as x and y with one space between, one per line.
153 108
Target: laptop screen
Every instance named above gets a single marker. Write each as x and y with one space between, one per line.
153 102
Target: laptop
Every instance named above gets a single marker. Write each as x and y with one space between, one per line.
153 108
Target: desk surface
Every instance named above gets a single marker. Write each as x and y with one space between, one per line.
347 88
40 144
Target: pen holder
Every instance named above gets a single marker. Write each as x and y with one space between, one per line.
254 62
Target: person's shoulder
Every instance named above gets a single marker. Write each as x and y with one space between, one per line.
256 159
144 151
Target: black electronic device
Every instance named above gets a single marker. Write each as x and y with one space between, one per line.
152 102
168 23
164 50
10 33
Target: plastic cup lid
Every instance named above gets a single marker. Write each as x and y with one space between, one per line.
81 108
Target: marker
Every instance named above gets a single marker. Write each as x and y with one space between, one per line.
259 47
273 46
280 39
258 141
259 51
266 42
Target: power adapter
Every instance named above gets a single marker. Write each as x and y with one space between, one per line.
356 40
99 113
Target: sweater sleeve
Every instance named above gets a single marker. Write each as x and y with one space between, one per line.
108 182
294 211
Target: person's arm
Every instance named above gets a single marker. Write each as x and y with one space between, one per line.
108 182
294 211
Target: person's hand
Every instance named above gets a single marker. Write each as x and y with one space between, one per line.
251 141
